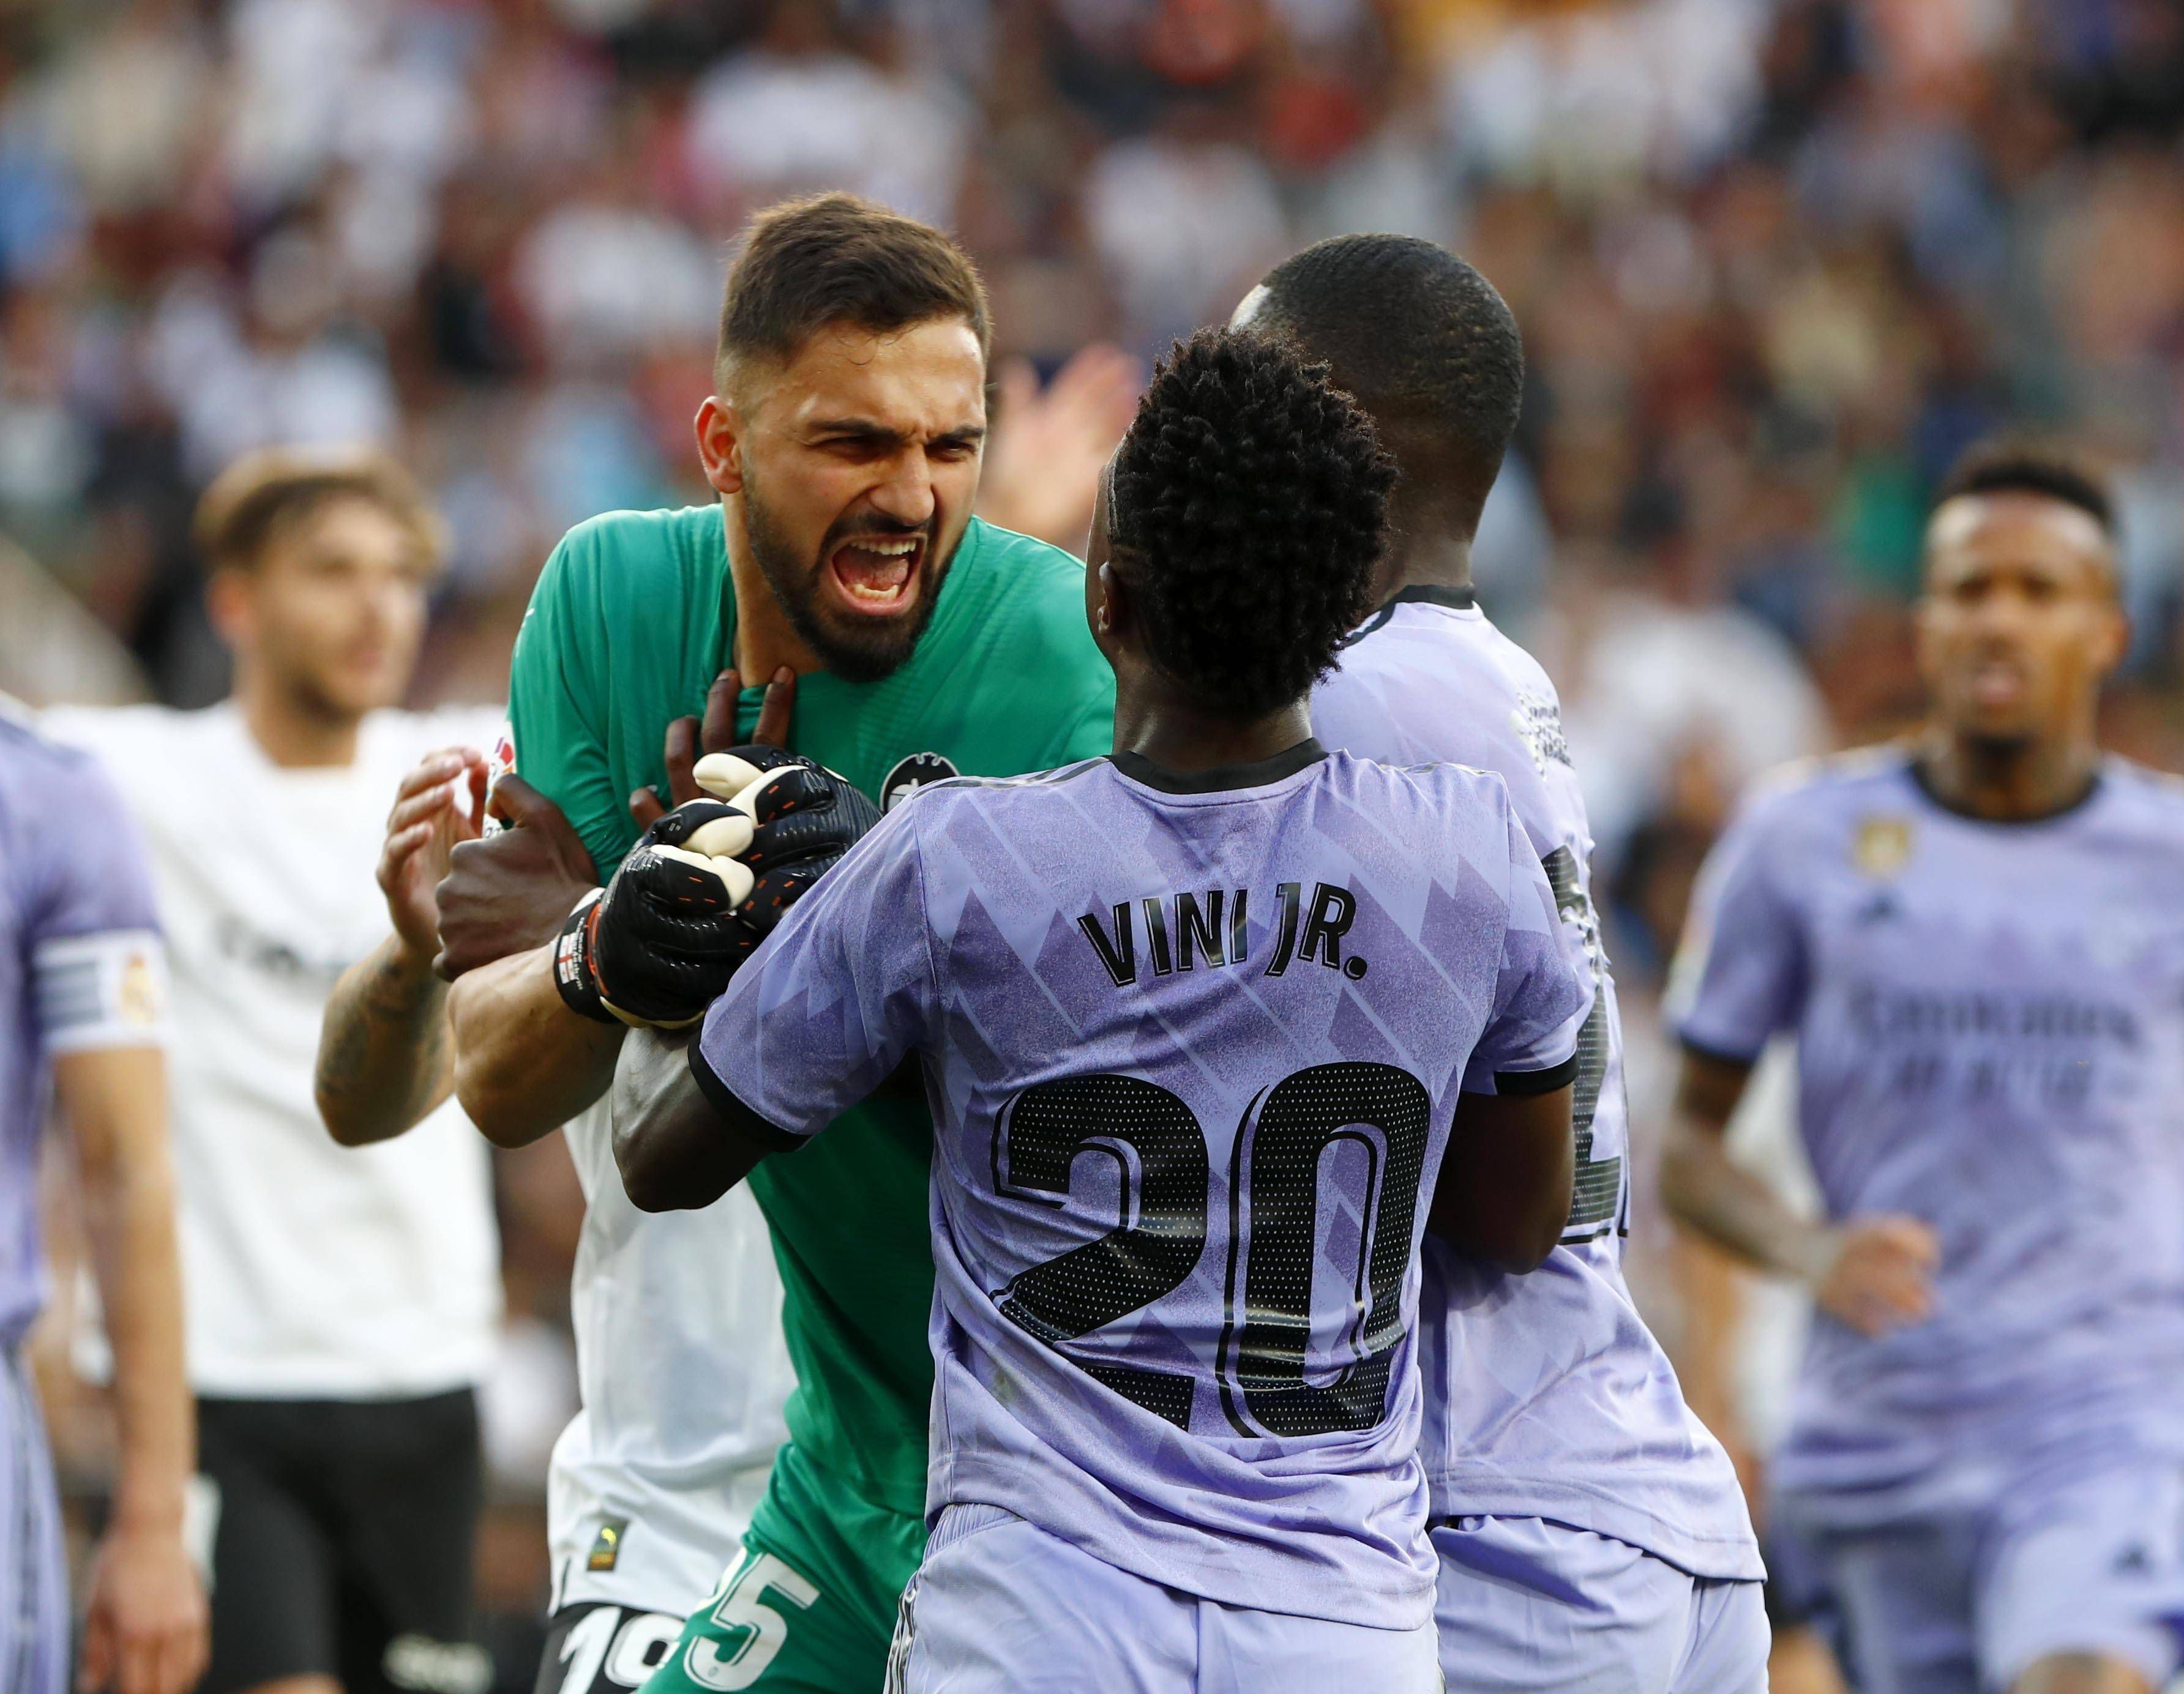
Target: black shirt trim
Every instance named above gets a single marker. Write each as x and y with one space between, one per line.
1537 1082
1925 783
1465 598
737 1119
1140 769
1418 594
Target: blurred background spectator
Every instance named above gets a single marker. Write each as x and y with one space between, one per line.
1776 261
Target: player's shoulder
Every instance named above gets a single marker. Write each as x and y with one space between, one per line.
405 736
942 802
138 735
1442 789
1021 587
2148 797
64 753
638 551
1794 796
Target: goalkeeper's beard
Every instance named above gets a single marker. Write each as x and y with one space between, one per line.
864 654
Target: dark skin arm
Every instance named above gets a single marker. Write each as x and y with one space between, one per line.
524 1062
1874 1273
675 1151
1507 1178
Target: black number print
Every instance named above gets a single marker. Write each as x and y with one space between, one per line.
1041 1135
1599 1190
1264 1354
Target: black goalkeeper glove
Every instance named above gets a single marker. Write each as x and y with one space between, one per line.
804 818
705 885
657 946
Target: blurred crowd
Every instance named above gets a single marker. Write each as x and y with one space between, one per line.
1776 262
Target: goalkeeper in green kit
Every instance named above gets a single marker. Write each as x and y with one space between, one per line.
845 437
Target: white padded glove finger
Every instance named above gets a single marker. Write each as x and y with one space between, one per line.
733 875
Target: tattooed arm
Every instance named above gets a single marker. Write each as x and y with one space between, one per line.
384 1059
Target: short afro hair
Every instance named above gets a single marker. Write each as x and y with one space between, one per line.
1425 343
1248 509
2031 464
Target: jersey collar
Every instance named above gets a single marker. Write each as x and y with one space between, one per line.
2085 797
1287 763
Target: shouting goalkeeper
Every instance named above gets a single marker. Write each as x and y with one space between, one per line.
917 643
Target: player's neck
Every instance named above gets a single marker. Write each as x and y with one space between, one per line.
765 639
1427 559
2008 781
292 730
1176 736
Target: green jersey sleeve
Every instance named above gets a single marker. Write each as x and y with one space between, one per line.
557 709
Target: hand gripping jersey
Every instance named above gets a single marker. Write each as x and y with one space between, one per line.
1989 1024
632 618
1547 1396
1192 1050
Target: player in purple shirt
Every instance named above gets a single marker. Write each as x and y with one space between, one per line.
1213 1029
82 1016
1977 939
1592 1533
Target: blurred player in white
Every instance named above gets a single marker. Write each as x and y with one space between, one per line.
1591 1533
83 1015
341 1305
1978 940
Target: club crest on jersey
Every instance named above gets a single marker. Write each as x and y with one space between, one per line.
1882 845
606 1546
913 773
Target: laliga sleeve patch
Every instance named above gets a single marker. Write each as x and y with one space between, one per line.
913 773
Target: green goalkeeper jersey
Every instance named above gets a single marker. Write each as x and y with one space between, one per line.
632 618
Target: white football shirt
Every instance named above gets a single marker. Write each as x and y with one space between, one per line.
683 1370
310 1270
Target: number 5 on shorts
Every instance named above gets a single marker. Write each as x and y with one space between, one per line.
741 1608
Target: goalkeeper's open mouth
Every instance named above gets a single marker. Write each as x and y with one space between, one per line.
877 575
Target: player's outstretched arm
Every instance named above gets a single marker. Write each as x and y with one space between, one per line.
1506 1182
674 1149
383 1059
1873 1274
145 1629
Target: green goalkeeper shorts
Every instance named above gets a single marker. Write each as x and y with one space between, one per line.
809 1606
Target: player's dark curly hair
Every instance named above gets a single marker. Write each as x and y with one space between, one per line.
1249 506
2025 464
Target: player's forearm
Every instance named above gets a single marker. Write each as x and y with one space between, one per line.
674 1151
115 1103
1711 1194
524 1063
384 1059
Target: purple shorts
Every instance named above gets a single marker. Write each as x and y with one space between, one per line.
1001 1607
1964 1602
1526 1606
34 1604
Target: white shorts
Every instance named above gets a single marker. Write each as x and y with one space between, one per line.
1000 1606
1524 1604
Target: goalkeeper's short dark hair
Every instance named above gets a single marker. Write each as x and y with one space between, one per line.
1248 508
835 258
1423 341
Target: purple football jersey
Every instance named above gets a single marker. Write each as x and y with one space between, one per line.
72 881
1546 1394
1192 1050
1989 1021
